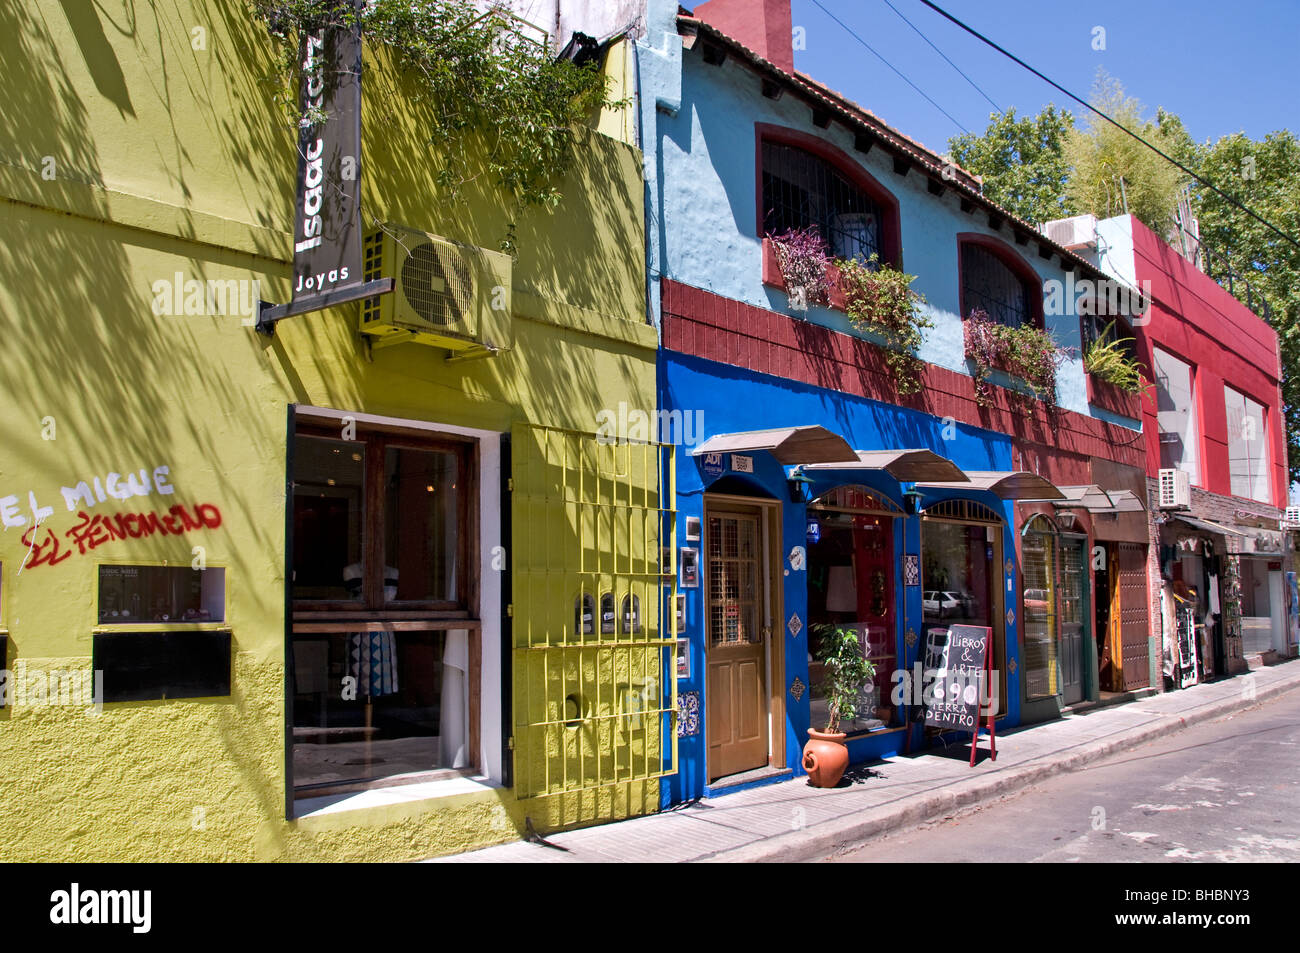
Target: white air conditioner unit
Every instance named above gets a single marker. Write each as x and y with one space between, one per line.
1175 490
446 294
1079 231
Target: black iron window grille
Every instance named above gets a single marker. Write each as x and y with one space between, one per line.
988 284
801 189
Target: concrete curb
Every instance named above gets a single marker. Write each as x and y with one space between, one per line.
834 836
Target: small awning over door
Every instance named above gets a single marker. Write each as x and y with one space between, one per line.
789 445
1122 501
1090 497
906 466
1007 484
1208 526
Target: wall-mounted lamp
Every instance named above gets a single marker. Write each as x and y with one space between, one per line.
800 487
1065 520
911 502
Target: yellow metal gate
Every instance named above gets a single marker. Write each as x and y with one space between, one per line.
593 665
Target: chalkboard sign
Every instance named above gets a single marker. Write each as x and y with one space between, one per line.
959 664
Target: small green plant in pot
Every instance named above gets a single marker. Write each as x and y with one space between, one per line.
845 672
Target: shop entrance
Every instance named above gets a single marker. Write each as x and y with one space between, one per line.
738 595
1074 620
1103 577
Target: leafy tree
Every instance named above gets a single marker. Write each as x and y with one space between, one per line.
1022 162
1264 176
1111 171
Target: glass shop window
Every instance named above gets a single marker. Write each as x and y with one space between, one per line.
851 584
1176 414
959 578
990 285
129 594
802 189
1039 616
354 500
1248 454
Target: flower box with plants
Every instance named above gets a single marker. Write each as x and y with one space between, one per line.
799 263
1025 352
1115 377
879 300
845 672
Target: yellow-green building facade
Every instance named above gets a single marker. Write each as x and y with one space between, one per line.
176 489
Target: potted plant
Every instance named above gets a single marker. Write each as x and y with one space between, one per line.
1024 352
801 256
879 299
845 670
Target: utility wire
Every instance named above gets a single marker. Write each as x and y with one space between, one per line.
1209 185
945 57
845 27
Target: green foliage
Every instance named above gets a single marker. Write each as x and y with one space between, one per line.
802 257
1110 169
1265 176
846 672
1108 359
1022 162
1025 352
495 99
880 300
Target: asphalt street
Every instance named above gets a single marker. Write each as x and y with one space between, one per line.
1222 791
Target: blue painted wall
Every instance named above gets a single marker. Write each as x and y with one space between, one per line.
734 399
697 135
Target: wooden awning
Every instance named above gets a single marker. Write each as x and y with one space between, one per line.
789 445
1007 484
906 466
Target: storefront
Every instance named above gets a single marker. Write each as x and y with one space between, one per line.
821 522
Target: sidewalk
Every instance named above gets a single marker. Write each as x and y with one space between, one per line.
792 821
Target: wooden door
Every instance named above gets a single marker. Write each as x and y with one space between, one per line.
1107 618
739 621
1134 665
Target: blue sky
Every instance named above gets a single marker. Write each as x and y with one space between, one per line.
1223 68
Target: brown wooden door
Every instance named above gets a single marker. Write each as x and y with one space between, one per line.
739 619
1134 666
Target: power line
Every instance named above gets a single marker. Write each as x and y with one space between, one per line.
945 57
1205 182
845 27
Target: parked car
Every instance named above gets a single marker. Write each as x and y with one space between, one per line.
939 605
1036 603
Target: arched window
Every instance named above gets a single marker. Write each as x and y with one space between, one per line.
997 281
806 186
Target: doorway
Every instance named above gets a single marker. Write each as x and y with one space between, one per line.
1074 620
739 622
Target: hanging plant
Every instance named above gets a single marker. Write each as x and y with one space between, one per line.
1025 352
880 300
802 257
492 97
1107 359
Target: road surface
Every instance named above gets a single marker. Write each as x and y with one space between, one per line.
1226 790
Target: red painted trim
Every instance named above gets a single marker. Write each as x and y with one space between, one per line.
891 243
1012 259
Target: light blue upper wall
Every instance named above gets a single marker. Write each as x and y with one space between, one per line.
699 143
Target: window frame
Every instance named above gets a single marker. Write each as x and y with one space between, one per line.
1266 472
1030 280
1198 477
891 246
372 606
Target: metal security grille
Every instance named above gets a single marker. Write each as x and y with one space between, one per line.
851 498
801 189
989 285
962 511
733 580
1133 615
594 693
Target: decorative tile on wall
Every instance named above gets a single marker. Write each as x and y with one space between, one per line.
688 714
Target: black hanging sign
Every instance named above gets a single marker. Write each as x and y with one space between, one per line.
327 210
327 216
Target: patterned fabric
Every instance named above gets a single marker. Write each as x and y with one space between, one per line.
374 663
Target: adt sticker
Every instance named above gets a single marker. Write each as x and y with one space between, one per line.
814 531
712 465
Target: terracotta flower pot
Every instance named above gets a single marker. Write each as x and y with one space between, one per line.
825 757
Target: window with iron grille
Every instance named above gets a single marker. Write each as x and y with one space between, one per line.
802 189
991 285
